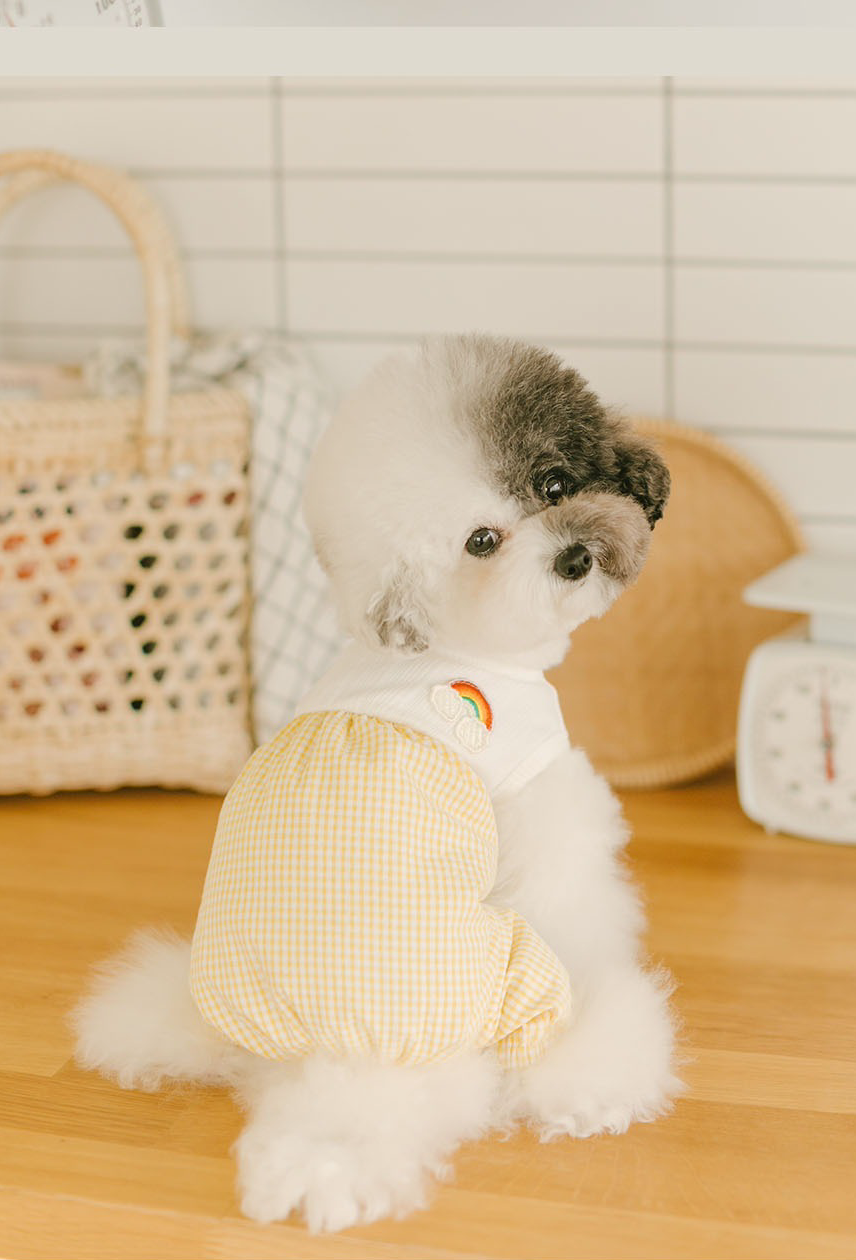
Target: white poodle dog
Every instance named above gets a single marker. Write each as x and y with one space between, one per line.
472 504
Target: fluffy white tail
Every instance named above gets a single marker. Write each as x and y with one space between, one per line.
139 1024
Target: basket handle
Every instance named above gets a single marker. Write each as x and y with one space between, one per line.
166 303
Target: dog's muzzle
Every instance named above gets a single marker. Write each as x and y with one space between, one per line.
573 563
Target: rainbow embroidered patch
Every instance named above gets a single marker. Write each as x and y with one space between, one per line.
462 704
475 699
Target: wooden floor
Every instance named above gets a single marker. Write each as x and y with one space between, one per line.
758 1161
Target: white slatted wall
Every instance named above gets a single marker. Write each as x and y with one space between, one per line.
689 244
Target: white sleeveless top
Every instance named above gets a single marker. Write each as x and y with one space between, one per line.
506 723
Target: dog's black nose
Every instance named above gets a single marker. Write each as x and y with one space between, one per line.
573 563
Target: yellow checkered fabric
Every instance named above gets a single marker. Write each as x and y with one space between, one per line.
343 908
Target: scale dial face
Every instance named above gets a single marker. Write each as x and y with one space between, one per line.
79 13
797 741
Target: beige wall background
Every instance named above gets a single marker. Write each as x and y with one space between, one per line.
690 245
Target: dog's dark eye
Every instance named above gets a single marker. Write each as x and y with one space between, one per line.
483 541
554 486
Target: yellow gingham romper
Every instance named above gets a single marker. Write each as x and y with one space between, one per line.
344 906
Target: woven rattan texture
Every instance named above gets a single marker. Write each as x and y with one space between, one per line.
123 603
651 691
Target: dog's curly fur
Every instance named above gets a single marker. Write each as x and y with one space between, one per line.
465 435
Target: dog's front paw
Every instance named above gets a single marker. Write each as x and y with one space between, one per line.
613 1067
334 1184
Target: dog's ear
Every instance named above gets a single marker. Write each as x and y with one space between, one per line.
643 475
396 614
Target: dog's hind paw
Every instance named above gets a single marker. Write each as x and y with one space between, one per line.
346 1143
333 1184
591 1120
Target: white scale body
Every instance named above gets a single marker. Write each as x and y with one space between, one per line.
796 736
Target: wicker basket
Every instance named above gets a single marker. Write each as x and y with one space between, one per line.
123 553
651 691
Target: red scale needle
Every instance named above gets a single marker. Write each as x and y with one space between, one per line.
828 742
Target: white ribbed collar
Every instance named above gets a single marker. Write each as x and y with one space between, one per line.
505 721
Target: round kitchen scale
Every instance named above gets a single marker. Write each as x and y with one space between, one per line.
796 736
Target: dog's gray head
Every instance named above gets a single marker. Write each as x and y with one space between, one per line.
480 498
546 436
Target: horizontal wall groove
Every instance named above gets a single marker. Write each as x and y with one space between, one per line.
506 175
49 252
331 336
375 335
96 330
99 92
115 330
509 175
766 347
485 259
762 93
765 264
419 90
781 434
783 178
507 258
202 172
826 518
116 253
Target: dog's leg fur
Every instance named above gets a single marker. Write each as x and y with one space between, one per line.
139 1025
349 1142
344 1142
560 867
